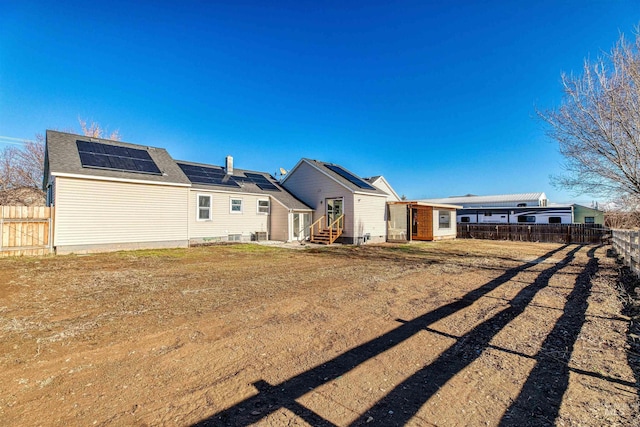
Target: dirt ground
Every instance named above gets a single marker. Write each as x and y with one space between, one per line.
450 333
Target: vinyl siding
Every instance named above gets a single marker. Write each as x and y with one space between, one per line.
370 217
313 188
279 222
444 233
90 212
382 185
223 222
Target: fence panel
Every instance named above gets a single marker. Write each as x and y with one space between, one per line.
626 243
25 230
548 233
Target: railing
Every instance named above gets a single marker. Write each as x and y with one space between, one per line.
626 243
336 226
318 225
334 230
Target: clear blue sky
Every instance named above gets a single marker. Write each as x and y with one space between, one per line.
437 96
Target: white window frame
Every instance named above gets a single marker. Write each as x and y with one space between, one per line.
198 207
231 204
262 212
443 213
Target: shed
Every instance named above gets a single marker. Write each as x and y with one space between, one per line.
408 221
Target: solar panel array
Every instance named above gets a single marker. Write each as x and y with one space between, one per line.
207 175
261 181
112 157
349 176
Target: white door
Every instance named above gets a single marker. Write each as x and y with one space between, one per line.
301 224
334 210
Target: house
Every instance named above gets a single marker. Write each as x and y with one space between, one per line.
112 195
587 215
335 194
381 184
528 208
230 204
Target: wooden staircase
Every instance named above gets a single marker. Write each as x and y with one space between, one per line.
326 236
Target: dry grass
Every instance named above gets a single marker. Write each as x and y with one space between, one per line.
196 327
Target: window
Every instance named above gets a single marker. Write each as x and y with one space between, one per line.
204 207
465 219
236 206
521 205
444 219
555 220
263 206
526 218
589 219
488 213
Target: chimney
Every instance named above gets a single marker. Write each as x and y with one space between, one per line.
229 165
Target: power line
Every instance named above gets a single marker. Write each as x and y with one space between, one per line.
14 141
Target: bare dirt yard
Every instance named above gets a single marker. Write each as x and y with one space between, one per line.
450 333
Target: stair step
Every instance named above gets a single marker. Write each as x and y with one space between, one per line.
325 237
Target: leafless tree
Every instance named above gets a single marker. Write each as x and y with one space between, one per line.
22 167
94 130
21 172
597 125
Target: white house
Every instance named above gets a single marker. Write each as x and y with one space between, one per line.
111 195
332 191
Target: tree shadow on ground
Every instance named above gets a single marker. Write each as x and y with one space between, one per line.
411 394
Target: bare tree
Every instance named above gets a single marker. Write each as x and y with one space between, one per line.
94 130
597 126
21 173
22 168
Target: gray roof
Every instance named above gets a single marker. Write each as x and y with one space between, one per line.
345 182
62 157
502 199
247 186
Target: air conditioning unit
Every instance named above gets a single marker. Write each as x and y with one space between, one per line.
260 236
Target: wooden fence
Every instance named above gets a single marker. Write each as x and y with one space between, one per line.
25 230
549 233
626 243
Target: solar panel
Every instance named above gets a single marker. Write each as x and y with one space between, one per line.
261 181
112 157
349 177
207 175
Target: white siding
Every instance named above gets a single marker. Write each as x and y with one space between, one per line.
224 223
444 233
90 212
313 188
381 184
370 217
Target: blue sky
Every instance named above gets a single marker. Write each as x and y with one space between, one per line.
437 96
